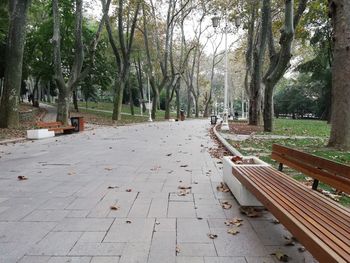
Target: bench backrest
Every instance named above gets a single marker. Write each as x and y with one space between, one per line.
332 173
48 124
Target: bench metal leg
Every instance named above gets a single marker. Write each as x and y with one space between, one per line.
280 167
315 184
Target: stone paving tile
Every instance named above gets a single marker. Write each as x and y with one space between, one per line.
181 210
34 259
69 260
259 259
105 260
97 249
245 243
53 244
46 215
135 252
165 224
225 260
158 208
84 224
192 230
96 237
140 230
197 249
163 247
181 259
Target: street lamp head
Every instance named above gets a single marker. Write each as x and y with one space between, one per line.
215 20
238 21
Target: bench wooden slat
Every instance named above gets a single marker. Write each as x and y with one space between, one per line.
296 196
335 208
340 183
317 162
280 206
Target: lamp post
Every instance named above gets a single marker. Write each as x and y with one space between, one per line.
149 101
215 21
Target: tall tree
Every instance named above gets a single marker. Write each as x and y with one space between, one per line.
279 61
9 116
76 73
339 11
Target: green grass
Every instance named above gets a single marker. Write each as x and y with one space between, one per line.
312 128
108 106
318 130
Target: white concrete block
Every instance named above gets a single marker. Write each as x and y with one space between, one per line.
39 134
241 193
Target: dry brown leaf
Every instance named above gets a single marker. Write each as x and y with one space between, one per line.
177 249
301 249
226 205
114 207
22 177
290 241
182 193
233 231
128 221
71 173
249 211
222 187
281 256
108 169
128 190
212 236
112 187
184 187
275 221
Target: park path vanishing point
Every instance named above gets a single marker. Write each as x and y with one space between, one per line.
111 195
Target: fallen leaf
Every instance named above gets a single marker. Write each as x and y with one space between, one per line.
233 231
275 221
22 177
226 205
128 221
157 222
184 187
71 173
195 182
112 187
249 211
281 256
222 187
182 193
301 249
169 154
128 190
234 221
114 207
184 165
200 218
237 159
108 169
177 249
212 236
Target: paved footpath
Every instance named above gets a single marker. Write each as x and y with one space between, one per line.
62 213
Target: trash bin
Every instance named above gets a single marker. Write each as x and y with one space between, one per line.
77 123
213 119
182 115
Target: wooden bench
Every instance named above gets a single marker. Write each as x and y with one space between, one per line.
319 223
57 127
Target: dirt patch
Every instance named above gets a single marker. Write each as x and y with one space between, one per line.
25 124
219 150
244 128
93 118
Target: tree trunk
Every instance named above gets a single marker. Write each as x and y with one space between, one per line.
167 101
340 131
9 117
75 101
118 99
178 103
63 106
268 109
131 99
196 99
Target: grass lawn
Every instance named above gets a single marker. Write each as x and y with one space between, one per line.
108 106
318 133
